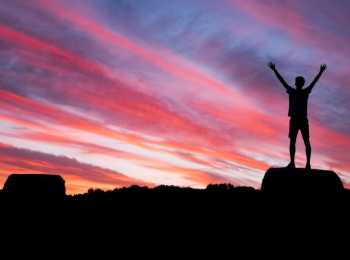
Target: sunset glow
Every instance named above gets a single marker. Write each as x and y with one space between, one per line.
148 92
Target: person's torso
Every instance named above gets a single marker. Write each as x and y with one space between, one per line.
298 101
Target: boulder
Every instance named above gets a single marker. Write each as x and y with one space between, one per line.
38 185
301 181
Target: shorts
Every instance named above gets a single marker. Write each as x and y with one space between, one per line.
296 124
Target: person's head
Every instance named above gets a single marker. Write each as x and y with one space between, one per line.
299 82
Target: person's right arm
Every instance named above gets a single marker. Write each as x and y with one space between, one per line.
278 75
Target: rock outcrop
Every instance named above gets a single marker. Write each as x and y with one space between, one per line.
301 181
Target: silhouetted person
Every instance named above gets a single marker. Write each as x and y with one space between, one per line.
298 99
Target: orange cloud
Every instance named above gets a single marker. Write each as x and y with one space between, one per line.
15 160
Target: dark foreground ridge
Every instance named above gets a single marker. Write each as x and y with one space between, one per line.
276 181
279 185
169 208
301 181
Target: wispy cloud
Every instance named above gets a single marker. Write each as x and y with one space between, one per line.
110 94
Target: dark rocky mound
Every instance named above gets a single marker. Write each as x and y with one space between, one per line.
301 181
38 185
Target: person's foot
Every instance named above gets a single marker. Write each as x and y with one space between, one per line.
291 165
308 166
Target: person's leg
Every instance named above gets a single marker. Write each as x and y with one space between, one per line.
292 152
293 133
306 138
308 153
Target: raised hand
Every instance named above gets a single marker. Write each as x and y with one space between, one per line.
280 78
272 66
323 67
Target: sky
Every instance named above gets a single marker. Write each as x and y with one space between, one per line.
113 93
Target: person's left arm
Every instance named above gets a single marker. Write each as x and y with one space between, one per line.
318 76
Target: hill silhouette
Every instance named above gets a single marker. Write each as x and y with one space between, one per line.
165 213
38 190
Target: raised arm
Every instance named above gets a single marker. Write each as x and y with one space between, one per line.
313 83
278 75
